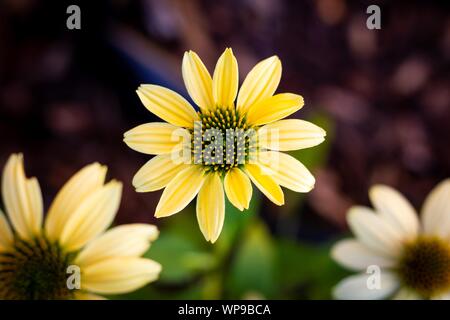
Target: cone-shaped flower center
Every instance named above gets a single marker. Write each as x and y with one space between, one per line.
222 140
425 266
34 270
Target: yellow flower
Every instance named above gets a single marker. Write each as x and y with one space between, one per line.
71 256
227 144
398 255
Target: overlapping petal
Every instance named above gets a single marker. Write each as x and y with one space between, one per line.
197 80
157 173
290 134
211 207
265 182
353 255
436 211
168 105
374 232
261 83
238 188
92 217
129 240
6 235
274 108
119 275
356 287
85 182
22 198
180 191
396 210
226 79
287 171
157 138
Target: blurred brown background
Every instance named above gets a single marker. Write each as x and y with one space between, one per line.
67 96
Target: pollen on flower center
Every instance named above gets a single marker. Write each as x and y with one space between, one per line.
425 266
222 139
34 269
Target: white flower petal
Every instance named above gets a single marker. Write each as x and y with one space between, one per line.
287 171
394 208
356 287
374 232
436 211
353 255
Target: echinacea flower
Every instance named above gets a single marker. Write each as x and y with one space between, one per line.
229 143
70 256
412 256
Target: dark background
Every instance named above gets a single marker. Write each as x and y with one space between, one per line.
67 96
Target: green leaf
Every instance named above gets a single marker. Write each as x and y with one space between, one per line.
253 269
181 260
307 271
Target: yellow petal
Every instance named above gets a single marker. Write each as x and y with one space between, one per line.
265 183
6 235
80 295
22 198
130 240
211 207
226 79
287 171
119 275
180 191
156 138
168 105
75 191
92 217
238 188
157 173
260 83
290 134
274 108
197 80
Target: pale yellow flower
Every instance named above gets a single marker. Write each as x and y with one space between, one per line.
257 110
71 256
398 255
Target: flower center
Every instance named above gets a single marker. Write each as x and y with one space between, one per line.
425 266
222 139
35 269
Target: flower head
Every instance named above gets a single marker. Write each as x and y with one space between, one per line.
70 256
226 144
413 257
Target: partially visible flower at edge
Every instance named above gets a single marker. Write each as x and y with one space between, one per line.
256 108
413 255
36 256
